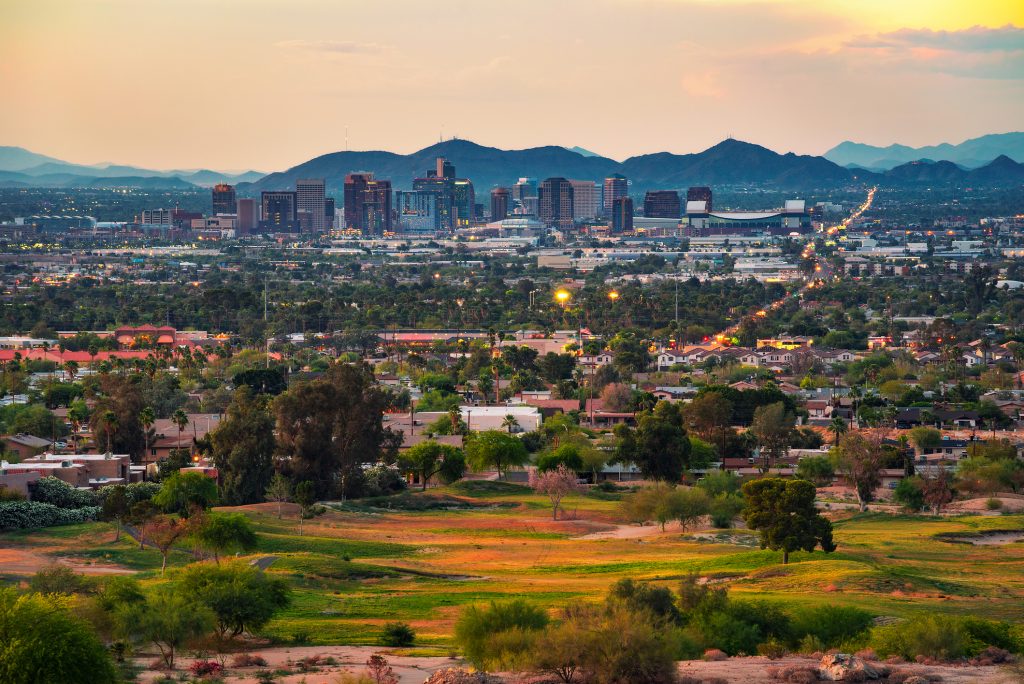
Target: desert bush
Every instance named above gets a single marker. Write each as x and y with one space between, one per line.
724 509
58 579
499 636
397 634
382 480
714 655
794 674
206 668
993 504
20 515
829 625
943 637
772 649
639 597
248 660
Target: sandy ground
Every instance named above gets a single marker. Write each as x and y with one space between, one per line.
415 670
28 561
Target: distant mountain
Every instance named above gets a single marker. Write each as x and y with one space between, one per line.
17 179
1000 171
39 170
972 153
583 151
18 158
729 162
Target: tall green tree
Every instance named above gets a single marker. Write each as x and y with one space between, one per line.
185 492
327 428
773 428
242 597
226 532
242 448
783 513
659 445
430 458
495 449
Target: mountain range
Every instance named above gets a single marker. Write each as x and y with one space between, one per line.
729 163
971 154
22 167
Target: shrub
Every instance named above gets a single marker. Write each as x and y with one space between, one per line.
58 579
993 504
242 597
715 655
382 480
19 515
397 634
931 636
724 509
721 630
910 494
657 602
496 636
57 492
829 625
772 649
248 660
206 668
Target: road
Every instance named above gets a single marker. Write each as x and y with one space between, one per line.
822 271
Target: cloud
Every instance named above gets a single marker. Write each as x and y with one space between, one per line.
976 52
338 47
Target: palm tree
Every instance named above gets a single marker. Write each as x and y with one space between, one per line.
455 416
110 423
147 417
77 414
837 427
71 369
180 419
510 423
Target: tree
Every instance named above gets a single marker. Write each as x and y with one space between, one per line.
495 449
430 458
924 438
554 367
662 502
510 423
279 490
242 448
164 532
937 489
181 421
690 504
617 397
773 428
837 426
224 532
555 484
305 496
988 475
909 493
859 457
242 597
489 635
185 492
43 641
168 619
658 446
817 469
116 507
122 397
567 454
329 427
147 417
783 513
109 422
709 415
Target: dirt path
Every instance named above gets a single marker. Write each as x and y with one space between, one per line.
29 561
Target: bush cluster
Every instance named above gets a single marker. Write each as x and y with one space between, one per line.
17 515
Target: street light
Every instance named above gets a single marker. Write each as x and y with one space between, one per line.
562 296
613 295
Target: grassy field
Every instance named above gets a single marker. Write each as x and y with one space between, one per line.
428 555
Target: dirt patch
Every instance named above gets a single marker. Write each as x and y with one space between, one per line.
25 561
983 538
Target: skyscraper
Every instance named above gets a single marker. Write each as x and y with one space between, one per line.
524 196
662 204
584 199
445 169
622 215
417 212
248 216
367 204
329 213
501 198
615 186
464 201
277 210
554 202
310 200
224 199
700 194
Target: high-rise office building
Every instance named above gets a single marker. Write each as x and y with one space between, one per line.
524 197
700 194
368 204
554 202
622 215
463 201
584 199
444 168
278 211
662 204
416 212
328 213
248 216
224 199
615 186
310 201
501 199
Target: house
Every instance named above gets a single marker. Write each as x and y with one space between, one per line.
671 357
97 470
167 437
24 446
819 409
595 360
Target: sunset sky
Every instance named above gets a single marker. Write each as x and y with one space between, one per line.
266 84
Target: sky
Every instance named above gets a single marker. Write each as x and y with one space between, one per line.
267 84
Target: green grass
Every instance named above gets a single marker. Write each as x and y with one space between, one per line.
282 543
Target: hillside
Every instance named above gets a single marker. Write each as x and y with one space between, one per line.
972 153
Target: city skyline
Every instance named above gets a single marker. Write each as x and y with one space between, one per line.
225 84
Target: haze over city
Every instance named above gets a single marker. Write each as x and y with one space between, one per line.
265 85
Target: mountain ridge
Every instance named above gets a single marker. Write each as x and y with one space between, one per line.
971 153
